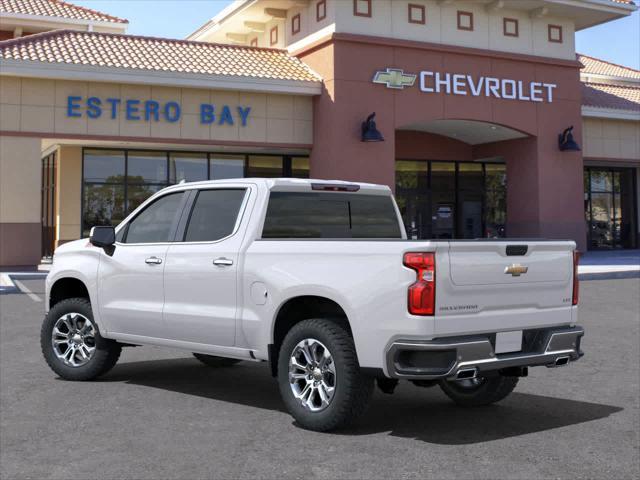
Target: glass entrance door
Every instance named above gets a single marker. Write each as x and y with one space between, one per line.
451 199
47 205
610 207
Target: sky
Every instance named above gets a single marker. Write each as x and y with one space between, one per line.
617 42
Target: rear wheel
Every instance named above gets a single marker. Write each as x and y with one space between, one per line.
71 342
319 376
213 361
478 391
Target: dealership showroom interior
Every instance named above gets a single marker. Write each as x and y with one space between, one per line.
484 122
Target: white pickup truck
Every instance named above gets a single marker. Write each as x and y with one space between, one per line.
317 278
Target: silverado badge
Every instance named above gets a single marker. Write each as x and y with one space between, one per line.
515 269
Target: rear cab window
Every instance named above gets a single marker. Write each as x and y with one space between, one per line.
332 215
214 215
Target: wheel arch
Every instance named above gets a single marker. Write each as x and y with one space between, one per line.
67 287
299 308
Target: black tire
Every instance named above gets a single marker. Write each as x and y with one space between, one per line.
488 390
213 361
106 351
353 390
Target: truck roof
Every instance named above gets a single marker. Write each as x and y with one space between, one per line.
296 184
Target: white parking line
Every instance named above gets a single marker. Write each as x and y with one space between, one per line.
24 289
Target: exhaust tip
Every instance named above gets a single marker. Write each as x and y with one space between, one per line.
466 373
562 361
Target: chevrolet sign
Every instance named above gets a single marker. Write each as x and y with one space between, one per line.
394 78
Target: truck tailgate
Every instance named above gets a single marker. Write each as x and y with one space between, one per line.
504 285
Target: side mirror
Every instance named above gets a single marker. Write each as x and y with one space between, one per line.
103 237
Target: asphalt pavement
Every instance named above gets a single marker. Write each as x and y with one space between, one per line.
161 414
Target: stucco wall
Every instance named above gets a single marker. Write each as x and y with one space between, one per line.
68 193
19 200
40 106
540 177
611 139
389 18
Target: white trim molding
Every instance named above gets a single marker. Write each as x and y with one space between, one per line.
612 113
64 71
26 19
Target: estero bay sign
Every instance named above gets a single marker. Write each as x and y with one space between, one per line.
152 110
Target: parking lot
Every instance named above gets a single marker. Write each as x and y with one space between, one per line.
161 414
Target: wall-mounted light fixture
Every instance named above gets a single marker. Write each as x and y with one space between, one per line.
370 132
566 143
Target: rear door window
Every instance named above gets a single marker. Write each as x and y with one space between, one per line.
214 214
330 215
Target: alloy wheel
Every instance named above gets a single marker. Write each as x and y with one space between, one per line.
74 339
312 374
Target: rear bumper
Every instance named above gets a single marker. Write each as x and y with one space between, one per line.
447 357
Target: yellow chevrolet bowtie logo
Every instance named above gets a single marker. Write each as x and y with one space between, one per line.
516 270
394 78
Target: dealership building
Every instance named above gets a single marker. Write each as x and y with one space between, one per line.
487 122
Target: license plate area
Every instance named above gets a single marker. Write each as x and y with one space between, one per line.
507 342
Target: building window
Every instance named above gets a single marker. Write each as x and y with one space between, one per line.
610 207
555 33
273 35
362 8
417 14
510 27
115 182
295 24
254 42
451 199
321 10
465 20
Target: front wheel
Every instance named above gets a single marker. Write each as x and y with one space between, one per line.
478 391
319 376
71 342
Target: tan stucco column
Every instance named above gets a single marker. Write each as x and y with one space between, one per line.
20 170
68 194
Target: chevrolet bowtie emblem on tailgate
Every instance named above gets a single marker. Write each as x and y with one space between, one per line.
395 78
515 269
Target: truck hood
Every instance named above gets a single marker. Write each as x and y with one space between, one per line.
74 246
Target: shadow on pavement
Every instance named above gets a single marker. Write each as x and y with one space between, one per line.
406 414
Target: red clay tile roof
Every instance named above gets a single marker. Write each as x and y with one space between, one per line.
611 96
157 54
56 8
601 67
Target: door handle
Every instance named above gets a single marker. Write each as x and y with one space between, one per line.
153 261
223 262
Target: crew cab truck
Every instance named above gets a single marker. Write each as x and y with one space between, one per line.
319 279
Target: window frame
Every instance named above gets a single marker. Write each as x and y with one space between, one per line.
513 21
459 15
420 8
321 5
558 28
296 23
142 208
273 40
369 11
185 218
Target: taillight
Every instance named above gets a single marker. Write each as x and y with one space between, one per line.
422 294
576 283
